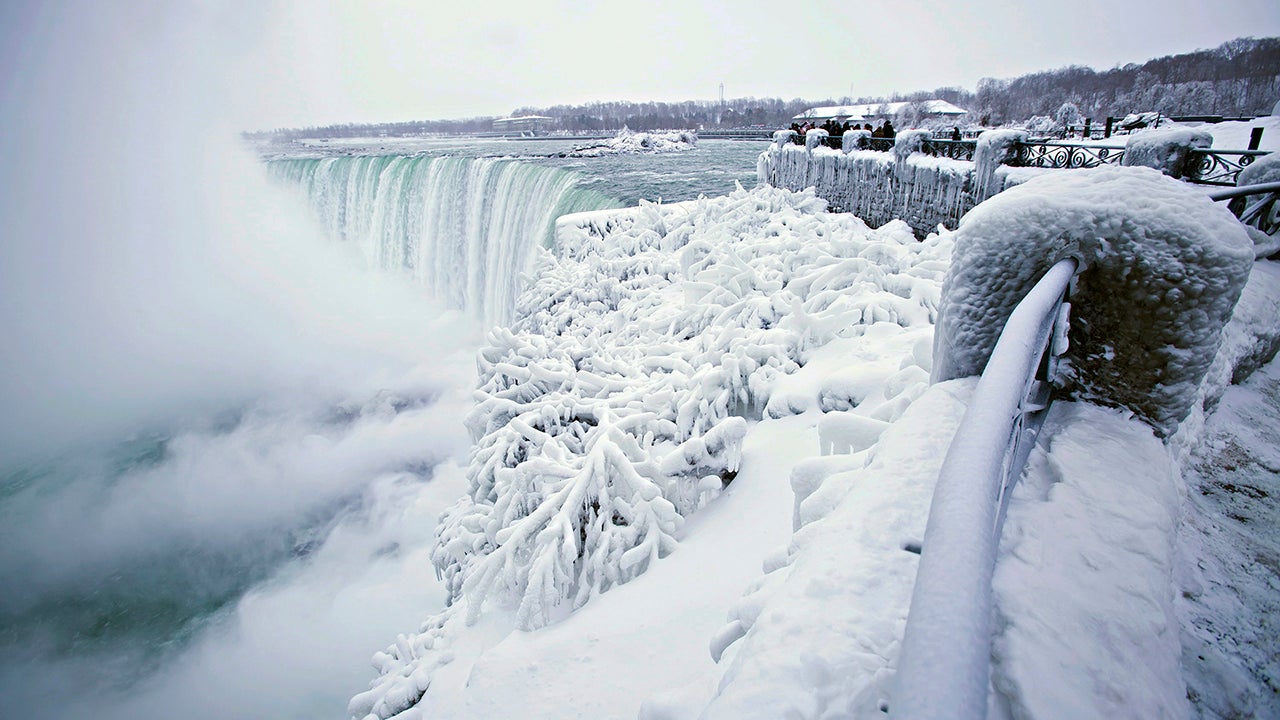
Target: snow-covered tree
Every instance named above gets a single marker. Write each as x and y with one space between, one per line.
1068 115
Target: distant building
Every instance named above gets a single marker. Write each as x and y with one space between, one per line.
880 111
523 125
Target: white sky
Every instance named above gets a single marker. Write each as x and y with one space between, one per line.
324 61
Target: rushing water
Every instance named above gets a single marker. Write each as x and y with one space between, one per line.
463 227
245 556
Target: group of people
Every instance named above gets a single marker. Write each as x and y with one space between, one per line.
837 129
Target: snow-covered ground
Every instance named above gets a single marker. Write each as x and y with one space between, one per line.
778 559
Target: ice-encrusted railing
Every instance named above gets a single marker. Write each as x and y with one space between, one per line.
1204 166
945 668
1261 211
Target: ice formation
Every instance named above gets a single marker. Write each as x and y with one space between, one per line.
1163 267
628 141
1167 150
923 191
993 149
907 142
815 137
818 634
615 404
854 140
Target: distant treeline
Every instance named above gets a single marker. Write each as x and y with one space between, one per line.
1238 78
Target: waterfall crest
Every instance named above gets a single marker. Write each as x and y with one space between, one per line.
464 227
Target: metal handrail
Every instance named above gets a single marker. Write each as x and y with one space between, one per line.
945 664
1243 190
1261 213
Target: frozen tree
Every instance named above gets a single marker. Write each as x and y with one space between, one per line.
1068 115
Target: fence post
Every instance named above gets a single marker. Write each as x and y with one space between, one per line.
1255 138
1107 133
1087 122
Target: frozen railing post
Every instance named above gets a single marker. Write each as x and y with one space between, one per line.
945 666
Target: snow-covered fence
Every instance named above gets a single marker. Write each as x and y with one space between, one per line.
926 192
945 663
930 191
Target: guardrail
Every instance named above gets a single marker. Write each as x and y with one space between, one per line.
945 665
1220 167
1263 213
1207 167
1066 155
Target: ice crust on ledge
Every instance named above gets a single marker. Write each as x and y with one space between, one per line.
1163 268
617 402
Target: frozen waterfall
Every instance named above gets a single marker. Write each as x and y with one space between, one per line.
464 227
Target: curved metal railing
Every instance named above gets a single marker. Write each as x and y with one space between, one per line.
1262 213
945 665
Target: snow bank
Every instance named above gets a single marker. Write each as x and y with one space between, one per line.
1163 267
629 142
820 631
614 406
1249 341
1166 150
1084 623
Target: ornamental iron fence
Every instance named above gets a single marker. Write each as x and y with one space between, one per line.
1205 167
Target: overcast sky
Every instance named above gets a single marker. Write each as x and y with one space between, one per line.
324 61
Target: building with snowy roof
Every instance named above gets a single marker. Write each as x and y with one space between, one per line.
523 124
928 109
